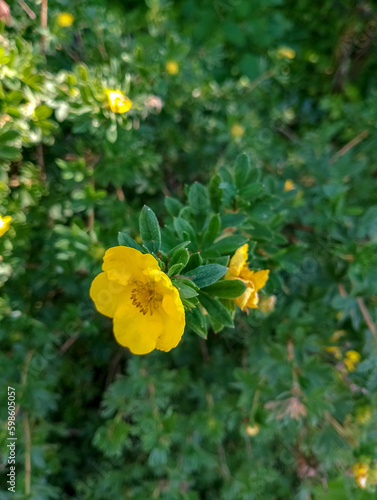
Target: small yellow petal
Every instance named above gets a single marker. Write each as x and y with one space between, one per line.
286 53
172 67
237 130
4 224
65 19
289 185
239 260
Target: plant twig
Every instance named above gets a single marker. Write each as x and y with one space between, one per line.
27 9
349 146
366 316
43 25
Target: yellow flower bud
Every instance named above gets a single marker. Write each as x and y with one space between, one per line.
252 430
237 130
172 67
360 471
286 53
289 185
65 19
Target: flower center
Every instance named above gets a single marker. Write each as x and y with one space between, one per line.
145 297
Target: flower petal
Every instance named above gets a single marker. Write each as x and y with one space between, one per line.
173 317
107 294
122 264
135 330
239 259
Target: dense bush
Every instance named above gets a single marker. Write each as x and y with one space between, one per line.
281 405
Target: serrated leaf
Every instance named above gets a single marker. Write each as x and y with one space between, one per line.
206 275
150 229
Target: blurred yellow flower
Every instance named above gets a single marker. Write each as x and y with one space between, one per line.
289 185
351 360
360 471
65 19
254 281
146 308
337 335
172 67
267 304
118 102
286 53
252 430
4 224
364 414
237 130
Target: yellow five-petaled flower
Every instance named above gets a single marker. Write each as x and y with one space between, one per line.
254 281
118 102
146 308
4 224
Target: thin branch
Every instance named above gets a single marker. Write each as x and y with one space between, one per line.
27 9
349 146
43 24
366 316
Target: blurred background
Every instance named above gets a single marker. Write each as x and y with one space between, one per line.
284 405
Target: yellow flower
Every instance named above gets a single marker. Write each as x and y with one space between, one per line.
118 102
172 67
237 130
238 269
360 471
351 360
286 53
65 19
4 224
252 430
335 351
146 308
289 185
267 304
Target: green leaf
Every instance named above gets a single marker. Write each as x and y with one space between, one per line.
251 190
206 275
190 303
186 288
194 262
225 246
196 321
175 269
180 256
216 309
9 135
184 229
215 193
173 206
212 230
198 198
184 244
112 133
241 170
42 112
125 240
226 289
149 229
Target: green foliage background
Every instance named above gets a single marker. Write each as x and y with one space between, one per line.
97 422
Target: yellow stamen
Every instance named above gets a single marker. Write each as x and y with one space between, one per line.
145 297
